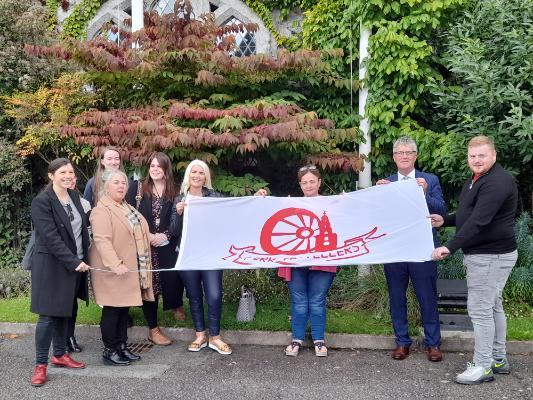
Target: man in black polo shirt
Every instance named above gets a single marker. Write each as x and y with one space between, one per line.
485 220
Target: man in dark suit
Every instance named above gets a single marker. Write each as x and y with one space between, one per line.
423 275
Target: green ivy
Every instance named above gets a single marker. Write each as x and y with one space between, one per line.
75 26
401 67
232 185
52 6
266 16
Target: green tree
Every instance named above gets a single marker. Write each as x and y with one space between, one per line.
180 90
488 89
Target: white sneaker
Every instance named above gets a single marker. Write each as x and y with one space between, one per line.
474 375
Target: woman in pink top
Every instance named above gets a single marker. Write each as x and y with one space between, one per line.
308 286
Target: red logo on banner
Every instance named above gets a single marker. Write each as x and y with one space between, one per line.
297 234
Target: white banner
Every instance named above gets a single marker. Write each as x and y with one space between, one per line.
382 224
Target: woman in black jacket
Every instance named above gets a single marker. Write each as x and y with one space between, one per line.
154 198
197 182
58 266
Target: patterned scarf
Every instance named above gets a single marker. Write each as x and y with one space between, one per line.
142 244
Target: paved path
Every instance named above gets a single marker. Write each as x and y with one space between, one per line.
254 373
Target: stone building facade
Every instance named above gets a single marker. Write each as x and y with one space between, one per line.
225 11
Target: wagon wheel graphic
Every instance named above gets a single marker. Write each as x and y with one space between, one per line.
290 231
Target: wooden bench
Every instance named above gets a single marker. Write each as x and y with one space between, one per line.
452 297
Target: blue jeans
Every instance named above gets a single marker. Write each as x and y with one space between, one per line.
196 284
308 291
423 276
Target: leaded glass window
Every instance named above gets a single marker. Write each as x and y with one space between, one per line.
244 41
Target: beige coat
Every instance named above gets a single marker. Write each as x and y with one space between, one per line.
113 245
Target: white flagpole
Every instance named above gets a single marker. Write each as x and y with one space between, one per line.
365 180
137 15
364 148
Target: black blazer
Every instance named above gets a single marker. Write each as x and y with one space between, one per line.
176 220
54 282
166 254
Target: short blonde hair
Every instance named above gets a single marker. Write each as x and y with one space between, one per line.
481 140
185 184
108 175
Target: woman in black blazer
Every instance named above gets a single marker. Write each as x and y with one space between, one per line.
153 197
57 266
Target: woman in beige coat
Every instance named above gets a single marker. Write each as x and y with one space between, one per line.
121 257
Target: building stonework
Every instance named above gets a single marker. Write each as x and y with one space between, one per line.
116 11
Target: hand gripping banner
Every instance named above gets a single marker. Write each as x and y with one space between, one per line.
382 224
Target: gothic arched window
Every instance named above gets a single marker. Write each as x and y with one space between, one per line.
244 41
109 31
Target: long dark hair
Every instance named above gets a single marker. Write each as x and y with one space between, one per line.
170 190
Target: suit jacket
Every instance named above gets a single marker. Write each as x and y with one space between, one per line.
434 198
54 282
114 245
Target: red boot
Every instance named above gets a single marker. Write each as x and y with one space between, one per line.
39 375
66 361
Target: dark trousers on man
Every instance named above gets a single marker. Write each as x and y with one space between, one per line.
424 279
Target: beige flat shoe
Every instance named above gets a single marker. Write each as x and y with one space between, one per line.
220 347
198 345
179 314
158 338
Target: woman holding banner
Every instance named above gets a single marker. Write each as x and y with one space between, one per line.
122 277
308 286
154 201
197 182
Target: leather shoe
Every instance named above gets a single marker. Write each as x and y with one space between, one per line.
39 375
400 353
158 338
179 314
434 354
124 351
73 346
66 361
113 357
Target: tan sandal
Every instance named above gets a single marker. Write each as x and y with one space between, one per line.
221 347
198 345
293 349
320 349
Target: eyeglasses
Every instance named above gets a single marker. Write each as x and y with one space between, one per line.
308 168
69 212
404 153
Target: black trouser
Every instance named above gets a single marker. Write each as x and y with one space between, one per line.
114 326
48 330
150 312
71 324
172 288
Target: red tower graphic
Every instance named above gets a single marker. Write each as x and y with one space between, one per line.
326 239
297 231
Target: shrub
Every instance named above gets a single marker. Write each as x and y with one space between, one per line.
14 281
264 283
371 294
520 283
